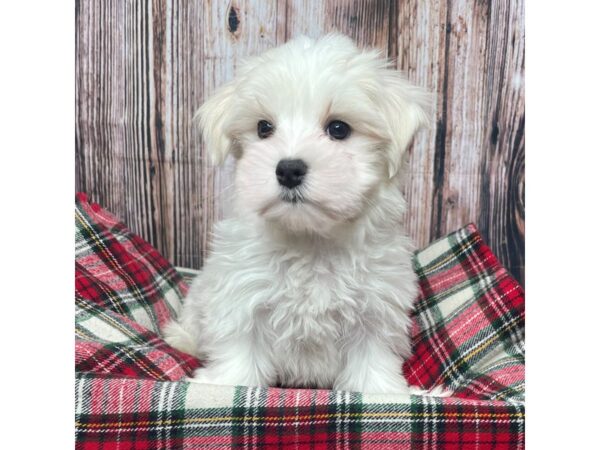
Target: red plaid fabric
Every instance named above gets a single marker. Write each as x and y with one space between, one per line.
124 292
469 321
130 388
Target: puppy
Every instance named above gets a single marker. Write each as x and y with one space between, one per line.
310 284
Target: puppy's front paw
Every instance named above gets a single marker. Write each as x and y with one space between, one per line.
225 376
177 337
206 376
437 391
374 384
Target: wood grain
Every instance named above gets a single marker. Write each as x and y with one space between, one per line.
144 67
469 167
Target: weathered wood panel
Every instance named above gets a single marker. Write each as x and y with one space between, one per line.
470 166
143 67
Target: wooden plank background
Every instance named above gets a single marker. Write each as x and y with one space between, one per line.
144 67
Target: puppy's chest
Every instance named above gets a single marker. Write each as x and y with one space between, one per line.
306 323
314 303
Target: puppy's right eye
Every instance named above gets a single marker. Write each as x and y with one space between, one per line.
264 129
338 130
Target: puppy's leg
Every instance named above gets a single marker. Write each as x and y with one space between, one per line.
372 367
237 361
178 337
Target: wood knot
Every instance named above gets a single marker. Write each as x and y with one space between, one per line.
233 21
451 200
494 134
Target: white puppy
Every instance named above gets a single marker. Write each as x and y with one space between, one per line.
310 284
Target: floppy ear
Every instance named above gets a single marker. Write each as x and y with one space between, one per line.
405 108
212 118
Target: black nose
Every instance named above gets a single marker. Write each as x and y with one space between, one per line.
290 172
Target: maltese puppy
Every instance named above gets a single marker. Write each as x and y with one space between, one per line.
310 284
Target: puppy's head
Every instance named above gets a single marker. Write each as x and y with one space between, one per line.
316 128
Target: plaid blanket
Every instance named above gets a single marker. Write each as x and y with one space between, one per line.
468 336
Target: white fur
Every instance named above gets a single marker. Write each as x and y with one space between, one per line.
316 293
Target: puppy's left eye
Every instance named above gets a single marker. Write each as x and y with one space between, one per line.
264 129
338 129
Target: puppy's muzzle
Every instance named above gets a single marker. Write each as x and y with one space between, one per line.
291 172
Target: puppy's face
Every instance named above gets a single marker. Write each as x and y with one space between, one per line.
316 128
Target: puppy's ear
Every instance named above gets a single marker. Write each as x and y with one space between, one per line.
212 118
406 108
